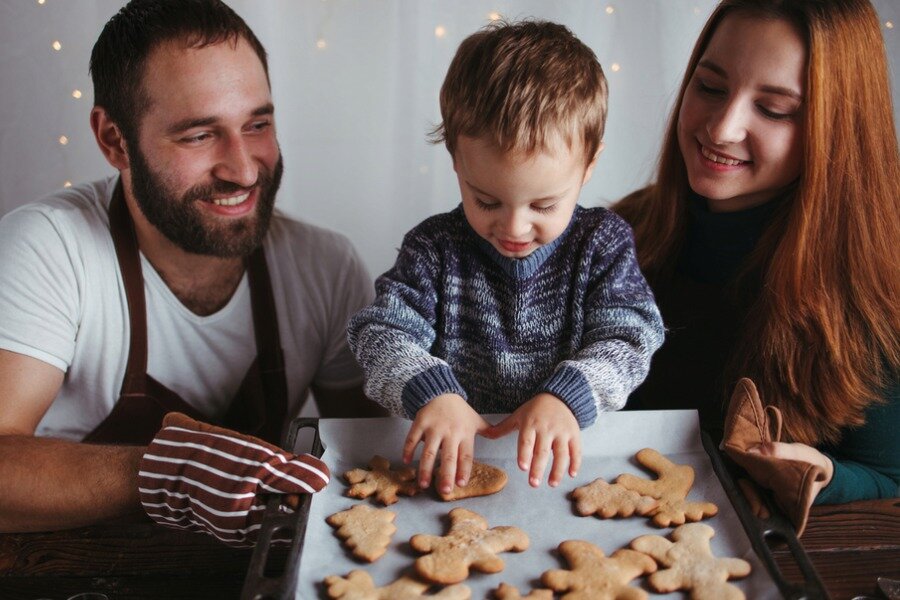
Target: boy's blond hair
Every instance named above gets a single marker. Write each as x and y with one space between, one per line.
524 85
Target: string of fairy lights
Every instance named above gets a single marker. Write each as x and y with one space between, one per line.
322 44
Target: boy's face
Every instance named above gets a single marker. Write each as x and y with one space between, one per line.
519 202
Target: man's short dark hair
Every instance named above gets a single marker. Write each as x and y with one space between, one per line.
120 54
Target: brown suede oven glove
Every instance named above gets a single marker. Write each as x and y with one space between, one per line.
749 424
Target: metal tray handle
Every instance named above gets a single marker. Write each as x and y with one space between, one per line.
259 585
775 527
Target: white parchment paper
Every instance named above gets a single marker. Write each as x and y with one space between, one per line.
544 513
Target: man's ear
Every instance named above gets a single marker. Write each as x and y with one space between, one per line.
590 168
109 138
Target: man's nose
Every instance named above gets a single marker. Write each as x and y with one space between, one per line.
728 124
236 162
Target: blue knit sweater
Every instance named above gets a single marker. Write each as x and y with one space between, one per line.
575 318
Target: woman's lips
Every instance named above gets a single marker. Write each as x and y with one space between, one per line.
720 162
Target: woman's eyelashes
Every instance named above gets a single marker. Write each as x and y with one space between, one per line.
770 112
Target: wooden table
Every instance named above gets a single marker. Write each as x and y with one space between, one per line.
850 546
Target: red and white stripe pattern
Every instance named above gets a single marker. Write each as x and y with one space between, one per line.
199 477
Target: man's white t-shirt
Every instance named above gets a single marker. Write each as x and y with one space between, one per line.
62 301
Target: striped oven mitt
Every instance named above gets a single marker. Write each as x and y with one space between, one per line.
199 477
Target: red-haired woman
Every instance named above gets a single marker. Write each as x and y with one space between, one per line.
772 236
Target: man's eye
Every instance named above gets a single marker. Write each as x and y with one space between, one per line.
194 139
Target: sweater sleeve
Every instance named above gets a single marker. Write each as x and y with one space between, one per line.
867 459
623 328
392 337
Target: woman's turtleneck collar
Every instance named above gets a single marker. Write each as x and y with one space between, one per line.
519 268
717 243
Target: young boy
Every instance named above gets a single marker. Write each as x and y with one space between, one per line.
519 300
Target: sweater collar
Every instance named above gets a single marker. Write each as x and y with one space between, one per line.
718 243
518 268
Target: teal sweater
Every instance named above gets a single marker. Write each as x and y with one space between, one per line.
702 322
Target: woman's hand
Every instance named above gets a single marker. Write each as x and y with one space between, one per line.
798 452
545 425
446 427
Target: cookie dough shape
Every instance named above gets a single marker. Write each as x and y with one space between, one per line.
469 543
690 564
594 576
508 592
484 481
382 481
607 500
365 530
671 489
358 585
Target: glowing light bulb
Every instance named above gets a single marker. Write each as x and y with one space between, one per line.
63 140
889 24
494 16
440 31
615 67
68 183
76 94
321 44
41 1
610 9
56 45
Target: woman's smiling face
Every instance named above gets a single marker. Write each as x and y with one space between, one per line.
740 127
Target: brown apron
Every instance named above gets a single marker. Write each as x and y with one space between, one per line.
260 406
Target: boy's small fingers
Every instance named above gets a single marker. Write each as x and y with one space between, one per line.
574 456
409 446
501 429
526 449
464 463
448 468
560 461
426 462
539 462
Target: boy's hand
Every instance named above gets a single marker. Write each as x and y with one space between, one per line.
545 425
446 427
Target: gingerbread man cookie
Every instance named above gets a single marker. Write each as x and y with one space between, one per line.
382 481
594 576
359 586
670 488
690 564
608 500
469 543
367 531
508 592
484 480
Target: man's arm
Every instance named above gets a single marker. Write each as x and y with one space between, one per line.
48 483
347 403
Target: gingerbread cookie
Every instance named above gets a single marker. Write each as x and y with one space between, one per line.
469 543
365 530
484 480
382 481
690 564
670 488
610 500
508 592
598 577
359 586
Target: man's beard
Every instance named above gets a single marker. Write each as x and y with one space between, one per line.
183 222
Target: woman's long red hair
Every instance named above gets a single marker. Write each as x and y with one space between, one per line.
822 337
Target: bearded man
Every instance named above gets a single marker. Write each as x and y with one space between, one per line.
172 287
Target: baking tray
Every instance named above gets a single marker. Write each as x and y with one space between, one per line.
608 448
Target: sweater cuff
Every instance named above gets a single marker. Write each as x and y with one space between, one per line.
426 386
570 386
